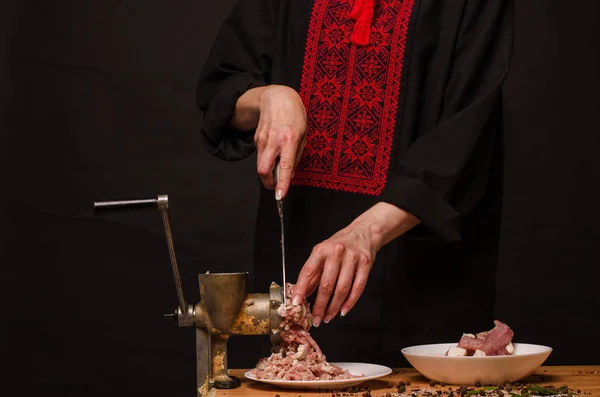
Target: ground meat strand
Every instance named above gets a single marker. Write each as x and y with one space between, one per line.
298 357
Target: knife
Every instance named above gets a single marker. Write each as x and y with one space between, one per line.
280 210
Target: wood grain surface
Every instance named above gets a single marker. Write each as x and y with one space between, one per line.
583 378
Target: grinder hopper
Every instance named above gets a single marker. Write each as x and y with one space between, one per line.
224 309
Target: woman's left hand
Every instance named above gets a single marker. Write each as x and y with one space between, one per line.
341 264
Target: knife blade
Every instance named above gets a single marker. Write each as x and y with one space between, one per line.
280 211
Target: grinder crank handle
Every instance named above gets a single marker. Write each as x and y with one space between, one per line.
185 311
106 206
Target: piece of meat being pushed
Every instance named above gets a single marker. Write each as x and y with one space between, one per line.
298 357
495 342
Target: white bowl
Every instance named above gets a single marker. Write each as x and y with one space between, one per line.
431 362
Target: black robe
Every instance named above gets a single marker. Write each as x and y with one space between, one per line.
411 119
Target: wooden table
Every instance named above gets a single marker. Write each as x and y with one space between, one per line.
584 378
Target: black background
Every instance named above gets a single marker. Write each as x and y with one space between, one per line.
102 106
98 103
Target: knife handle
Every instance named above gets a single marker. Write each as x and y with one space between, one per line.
276 171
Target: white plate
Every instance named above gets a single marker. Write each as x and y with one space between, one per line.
371 371
431 362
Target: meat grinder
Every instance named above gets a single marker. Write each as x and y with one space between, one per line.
225 308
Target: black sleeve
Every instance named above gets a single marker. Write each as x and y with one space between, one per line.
240 59
444 173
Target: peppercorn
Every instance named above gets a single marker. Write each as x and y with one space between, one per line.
477 384
432 383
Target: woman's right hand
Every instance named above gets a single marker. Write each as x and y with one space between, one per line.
281 131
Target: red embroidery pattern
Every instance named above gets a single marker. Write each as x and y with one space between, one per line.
351 95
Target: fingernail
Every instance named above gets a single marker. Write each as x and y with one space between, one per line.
327 319
296 300
278 194
316 322
343 312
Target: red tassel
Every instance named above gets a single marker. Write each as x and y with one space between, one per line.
362 12
356 8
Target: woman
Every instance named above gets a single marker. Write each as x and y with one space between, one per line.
384 115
